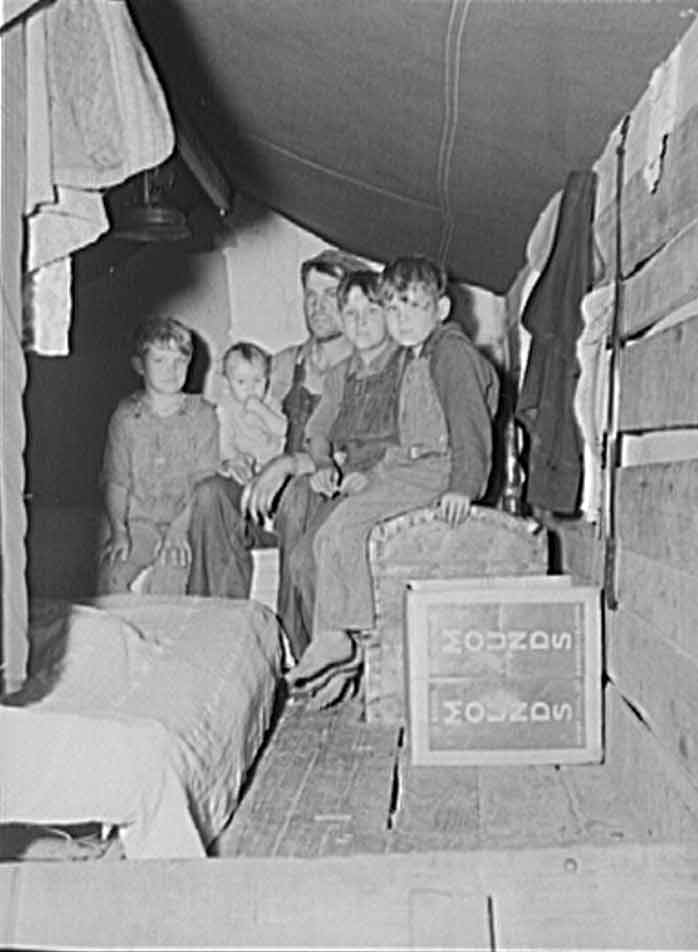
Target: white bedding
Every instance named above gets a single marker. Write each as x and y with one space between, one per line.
143 712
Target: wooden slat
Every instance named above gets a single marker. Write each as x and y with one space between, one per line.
664 596
575 910
651 220
659 379
661 681
656 788
641 897
601 809
665 283
438 805
512 812
13 523
323 787
657 513
362 902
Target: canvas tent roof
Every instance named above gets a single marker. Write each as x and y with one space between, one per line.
389 126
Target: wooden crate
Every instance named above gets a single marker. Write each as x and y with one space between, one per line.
504 671
419 545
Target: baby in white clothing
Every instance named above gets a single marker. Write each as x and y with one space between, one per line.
252 426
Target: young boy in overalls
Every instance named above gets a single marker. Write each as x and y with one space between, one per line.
448 399
348 433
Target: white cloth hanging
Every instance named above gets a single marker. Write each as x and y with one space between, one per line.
96 115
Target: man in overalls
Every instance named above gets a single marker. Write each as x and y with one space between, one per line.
220 535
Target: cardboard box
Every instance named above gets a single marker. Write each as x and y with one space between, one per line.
503 671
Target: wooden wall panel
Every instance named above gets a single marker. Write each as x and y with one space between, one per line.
657 514
663 596
13 621
668 281
659 379
652 218
654 785
660 681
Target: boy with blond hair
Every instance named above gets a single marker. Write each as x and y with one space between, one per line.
161 443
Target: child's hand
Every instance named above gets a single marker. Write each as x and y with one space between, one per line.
240 467
353 483
454 508
325 481
174 548
253 404
118 547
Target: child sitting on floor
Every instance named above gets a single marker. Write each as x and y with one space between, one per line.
448 398
160 443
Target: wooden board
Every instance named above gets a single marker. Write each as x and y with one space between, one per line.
652 219
659 379
655 787
661 682
657 514
14 647
323 787
665 597
666 282
639 897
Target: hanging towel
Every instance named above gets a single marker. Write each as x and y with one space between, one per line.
553 318
96 115
591 395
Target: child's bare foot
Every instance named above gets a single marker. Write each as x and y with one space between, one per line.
327 650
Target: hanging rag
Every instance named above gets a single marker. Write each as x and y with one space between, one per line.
591 395
96 115
553 318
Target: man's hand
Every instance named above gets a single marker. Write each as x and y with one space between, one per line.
240 467
454 508
118 546
174 549
260 494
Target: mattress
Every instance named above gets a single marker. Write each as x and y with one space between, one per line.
143 712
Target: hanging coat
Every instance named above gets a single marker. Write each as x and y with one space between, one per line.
553 317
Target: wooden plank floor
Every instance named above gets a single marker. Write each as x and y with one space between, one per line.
329 784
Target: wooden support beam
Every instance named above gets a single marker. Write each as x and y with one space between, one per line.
641 897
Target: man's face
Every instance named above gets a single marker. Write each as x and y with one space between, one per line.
363 320
413 314
320 305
